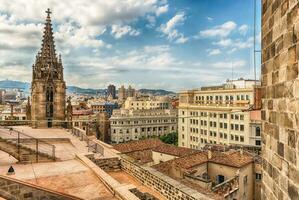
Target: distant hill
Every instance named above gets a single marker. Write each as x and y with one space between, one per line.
25 86
8 84
158 92
88 91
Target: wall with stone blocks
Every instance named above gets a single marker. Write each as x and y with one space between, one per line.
280 99
106 164
18 190
170 188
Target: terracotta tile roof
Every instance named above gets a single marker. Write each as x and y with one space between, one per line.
185 162
174 150
193 160
232 158
138 145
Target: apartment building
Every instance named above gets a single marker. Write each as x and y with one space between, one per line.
225 114
130 124
134 103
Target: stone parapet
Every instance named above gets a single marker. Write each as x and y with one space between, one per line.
18 190
165 185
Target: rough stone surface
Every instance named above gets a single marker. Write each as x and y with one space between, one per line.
280 89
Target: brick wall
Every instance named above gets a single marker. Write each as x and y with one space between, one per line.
280 92
15 189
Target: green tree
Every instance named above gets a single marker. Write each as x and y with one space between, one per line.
171 138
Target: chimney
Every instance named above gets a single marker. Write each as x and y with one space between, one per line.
241 151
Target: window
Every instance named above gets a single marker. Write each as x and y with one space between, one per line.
232 116
242 138
258 176
232 137
220 179
232 126
225 136
258 131
258 143
225 125
241 117
241 127
245 179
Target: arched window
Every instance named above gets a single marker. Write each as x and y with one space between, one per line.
49 94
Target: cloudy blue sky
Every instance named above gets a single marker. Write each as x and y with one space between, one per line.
173 45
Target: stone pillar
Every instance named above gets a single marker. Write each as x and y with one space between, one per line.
280 93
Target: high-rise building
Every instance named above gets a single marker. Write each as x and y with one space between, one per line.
130 91
122 93
111 91
48 87
280 97
219 115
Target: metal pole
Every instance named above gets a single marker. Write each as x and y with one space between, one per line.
36 150
19 146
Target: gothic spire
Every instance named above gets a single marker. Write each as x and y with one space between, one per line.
48 46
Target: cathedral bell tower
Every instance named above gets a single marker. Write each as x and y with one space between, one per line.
48 88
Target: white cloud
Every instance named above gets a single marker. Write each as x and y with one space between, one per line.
152 21
235 45
210 18
243 29
229 65
219 31
119 31
224 42
213 52
170 28
162 9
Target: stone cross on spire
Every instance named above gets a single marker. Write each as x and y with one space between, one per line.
48 11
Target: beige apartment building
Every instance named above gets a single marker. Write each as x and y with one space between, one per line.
134 103
223 114
127 125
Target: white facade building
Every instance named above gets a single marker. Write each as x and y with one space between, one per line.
127 125
219 115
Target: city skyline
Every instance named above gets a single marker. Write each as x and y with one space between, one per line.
124 43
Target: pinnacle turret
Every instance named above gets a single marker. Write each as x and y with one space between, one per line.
47 65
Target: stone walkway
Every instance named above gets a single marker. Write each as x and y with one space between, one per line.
124 177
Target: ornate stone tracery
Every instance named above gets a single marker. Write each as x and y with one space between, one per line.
48 86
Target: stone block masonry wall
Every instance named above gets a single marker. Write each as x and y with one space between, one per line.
18 190
106 164
168 187
280 99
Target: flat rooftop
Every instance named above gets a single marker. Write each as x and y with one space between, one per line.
69 175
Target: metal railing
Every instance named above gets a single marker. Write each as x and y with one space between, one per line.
22 140
93 146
